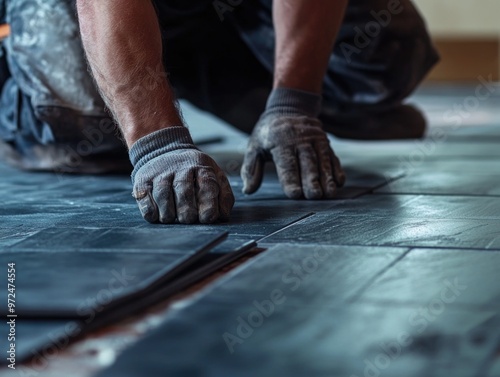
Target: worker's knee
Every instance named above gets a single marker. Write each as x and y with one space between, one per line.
380 17
382 53
48 69
49 98
46 57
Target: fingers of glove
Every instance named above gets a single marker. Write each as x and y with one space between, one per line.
146 203
163 195
339 174
185 197
288 171
207 193
309 172
226 197
252 170
327 170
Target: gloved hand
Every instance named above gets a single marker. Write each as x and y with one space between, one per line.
290 134
172 180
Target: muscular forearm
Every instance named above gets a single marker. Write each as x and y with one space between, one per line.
289 131
123 45
305 35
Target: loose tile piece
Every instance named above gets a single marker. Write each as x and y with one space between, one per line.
161 240
82 284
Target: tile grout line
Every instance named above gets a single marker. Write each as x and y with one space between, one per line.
372 190
362 290
295 222
404 304
456 248
435 194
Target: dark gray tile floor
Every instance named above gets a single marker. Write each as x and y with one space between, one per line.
224 339
446 183
454 277
397 276
310 275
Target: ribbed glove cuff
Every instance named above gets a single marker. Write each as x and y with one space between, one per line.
158 143
284 101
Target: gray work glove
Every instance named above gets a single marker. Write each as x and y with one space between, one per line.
290 134
172 180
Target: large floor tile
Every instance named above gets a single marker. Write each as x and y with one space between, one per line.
330 229
439 278
445 183
214 339
428 207
305 275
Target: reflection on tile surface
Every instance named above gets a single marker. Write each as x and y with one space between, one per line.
417 221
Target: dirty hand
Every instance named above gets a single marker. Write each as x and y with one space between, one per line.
290 134
172 180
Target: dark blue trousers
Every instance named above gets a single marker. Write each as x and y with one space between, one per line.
220 57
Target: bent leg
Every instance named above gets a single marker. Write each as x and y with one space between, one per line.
382 53
52 115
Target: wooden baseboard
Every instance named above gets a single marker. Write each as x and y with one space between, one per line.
465 59
4 31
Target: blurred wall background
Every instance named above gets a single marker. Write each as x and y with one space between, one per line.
466 33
